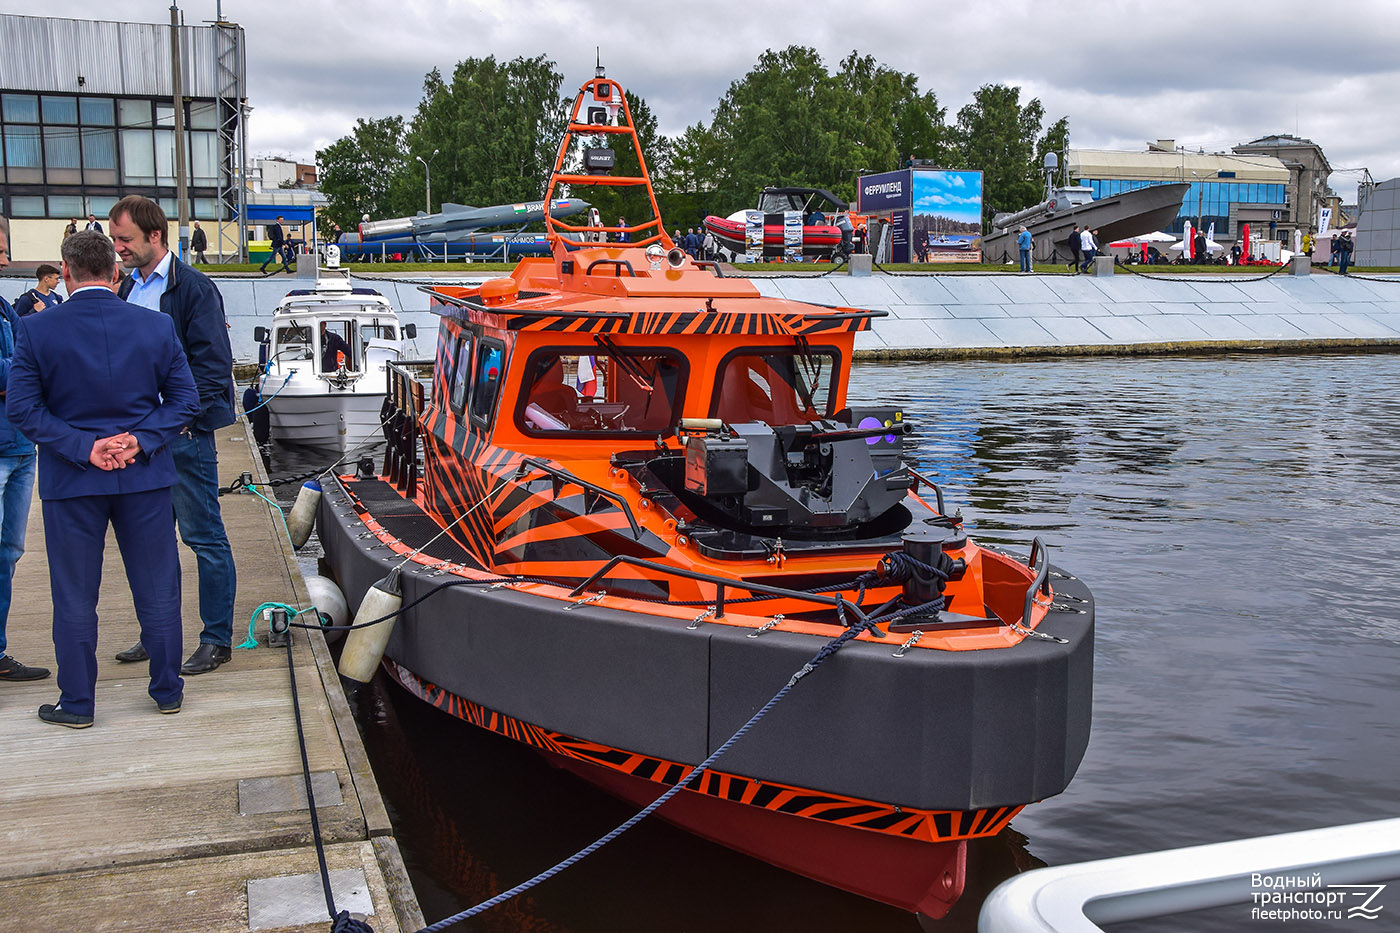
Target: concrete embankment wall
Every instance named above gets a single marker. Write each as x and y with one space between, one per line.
966 314
1011 314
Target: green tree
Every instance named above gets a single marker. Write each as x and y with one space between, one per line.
885 119
790 122
496 127
365 172
999 135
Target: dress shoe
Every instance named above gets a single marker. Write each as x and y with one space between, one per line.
59 716
206 658
136 652
10 669
172 707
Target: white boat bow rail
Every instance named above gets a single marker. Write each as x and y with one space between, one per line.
1340 867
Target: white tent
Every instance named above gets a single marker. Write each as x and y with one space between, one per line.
1155 236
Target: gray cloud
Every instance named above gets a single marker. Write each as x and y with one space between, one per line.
1124 71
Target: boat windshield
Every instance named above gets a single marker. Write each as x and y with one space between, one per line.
778 386
609 391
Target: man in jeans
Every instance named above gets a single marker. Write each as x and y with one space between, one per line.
162 282
16 481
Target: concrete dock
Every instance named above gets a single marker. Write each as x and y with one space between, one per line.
196 821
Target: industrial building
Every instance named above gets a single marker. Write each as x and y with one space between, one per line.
87 116
1275 184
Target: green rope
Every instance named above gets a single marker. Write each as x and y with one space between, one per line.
251 641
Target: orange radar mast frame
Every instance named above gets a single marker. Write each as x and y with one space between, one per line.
608 94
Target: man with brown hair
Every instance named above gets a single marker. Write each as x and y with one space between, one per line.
161 282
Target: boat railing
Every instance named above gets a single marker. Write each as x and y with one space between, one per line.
722 585
1328 873
403 405
591 493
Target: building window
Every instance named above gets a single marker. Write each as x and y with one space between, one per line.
96 111
165 114
22 156
62 156
165 157
26 206
65 205
134 112
204 115
204 159
138 158
60 110
21 108
99 207
99 157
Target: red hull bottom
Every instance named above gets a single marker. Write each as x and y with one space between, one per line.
925 877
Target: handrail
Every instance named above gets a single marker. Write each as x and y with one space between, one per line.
721 584
937 490
618 263
563 475
1041 582
703 263
1077 898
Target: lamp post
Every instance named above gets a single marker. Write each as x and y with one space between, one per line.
427 182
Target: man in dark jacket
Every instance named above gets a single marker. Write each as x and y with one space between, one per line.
1072 244
161 282
278 238
17 468
101 383
198 244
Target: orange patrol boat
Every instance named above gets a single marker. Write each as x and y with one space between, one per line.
633 499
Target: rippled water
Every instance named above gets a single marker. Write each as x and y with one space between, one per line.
1235 517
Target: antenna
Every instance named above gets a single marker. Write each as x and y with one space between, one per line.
598 71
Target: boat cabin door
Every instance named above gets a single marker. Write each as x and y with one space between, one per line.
337 344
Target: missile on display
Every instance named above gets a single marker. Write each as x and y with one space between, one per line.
455 218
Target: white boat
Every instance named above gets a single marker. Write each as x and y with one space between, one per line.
320 391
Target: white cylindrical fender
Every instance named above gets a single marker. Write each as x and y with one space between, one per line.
364 647
303 516
330 604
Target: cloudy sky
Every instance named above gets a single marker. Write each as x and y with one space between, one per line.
1207 74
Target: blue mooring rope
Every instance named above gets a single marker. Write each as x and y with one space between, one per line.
827 650
290 374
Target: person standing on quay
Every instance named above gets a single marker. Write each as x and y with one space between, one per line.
278 239
1023 243
1073 241
1088 246
102 383
161 282
16 481
198 244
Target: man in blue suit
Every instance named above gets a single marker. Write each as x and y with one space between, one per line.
102 386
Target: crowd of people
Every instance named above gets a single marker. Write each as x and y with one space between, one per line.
112 397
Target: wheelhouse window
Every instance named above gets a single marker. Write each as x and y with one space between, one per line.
461 375
777 386
486 384
293 343
609 391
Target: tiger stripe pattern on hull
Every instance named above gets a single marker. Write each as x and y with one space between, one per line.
838 809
